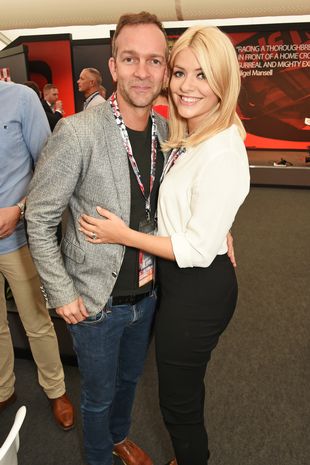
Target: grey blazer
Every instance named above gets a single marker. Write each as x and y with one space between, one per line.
84 164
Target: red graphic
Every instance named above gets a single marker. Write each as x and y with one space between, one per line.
274 103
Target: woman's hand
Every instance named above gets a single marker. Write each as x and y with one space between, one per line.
231 250
113 230
110 230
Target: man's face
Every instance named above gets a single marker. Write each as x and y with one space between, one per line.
140 64
52 96
85 82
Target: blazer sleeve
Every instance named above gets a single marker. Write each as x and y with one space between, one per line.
54 181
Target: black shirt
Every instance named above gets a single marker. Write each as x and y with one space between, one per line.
127 281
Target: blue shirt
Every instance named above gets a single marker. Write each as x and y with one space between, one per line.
24 129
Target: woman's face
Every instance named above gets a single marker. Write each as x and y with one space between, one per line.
190 90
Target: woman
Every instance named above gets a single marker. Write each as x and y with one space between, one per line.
205 181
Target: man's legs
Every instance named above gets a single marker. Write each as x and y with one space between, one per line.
7 378
132 353
19 270
111 350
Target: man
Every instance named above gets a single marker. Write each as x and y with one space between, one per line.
90 84
52 106
24 131
105 293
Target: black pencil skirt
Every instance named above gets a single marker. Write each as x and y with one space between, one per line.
196 305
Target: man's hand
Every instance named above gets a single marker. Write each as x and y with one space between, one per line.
74 312
9 217
231 251
59 107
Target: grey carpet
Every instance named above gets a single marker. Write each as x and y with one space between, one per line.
258 401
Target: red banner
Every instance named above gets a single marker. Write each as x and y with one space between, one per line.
274 102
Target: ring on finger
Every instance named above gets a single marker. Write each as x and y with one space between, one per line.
93 236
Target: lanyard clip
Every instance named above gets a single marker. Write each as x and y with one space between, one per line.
148 214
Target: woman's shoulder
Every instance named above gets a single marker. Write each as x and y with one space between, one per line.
226 135
220 146
226 140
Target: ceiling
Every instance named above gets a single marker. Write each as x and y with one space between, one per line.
19 14
95 18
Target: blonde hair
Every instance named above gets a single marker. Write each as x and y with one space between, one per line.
218 60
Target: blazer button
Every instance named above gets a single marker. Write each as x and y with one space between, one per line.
114 274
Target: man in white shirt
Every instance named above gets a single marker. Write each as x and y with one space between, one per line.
89 84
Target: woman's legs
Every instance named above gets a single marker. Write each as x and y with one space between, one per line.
195 308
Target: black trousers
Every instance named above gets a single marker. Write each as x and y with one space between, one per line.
196 304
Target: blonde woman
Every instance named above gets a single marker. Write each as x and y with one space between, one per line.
205 180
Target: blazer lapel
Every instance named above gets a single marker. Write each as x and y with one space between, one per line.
119 164
119 159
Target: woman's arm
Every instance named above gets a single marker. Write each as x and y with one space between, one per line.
113 230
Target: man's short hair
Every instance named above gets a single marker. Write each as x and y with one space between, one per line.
96 74
135 19
48 87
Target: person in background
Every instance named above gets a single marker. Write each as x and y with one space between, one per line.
205 181
89 84
34 86
161 104
24 131
52 106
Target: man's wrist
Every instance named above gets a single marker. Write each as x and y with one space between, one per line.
22 206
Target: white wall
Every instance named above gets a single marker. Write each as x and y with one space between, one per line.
103 30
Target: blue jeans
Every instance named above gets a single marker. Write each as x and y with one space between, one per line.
111 349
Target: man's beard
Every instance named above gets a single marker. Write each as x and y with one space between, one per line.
138 101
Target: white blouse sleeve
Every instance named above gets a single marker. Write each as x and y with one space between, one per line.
217 193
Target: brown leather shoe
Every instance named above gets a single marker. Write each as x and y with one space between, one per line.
63 412
131 454
5 403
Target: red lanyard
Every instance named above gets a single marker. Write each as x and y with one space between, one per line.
127 145
174 155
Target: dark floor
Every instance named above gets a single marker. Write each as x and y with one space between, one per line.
258 395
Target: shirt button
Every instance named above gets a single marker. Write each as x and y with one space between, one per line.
114 274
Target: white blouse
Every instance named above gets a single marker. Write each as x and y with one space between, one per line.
200 196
